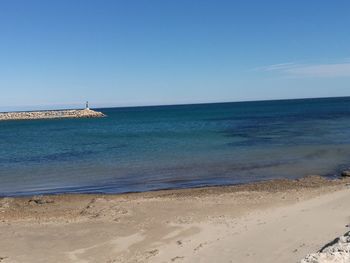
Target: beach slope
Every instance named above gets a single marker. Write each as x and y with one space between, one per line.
276 221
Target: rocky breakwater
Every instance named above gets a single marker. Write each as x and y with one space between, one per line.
54 114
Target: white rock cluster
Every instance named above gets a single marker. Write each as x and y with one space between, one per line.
337 251
54 114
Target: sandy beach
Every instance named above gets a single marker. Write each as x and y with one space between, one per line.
275 221
174 131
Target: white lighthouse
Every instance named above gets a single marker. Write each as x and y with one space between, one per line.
87 106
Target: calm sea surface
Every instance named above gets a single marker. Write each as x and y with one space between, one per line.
148 148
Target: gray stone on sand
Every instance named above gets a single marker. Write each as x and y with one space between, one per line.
346 173
337 251
40 200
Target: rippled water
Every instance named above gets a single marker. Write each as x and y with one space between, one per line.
147 148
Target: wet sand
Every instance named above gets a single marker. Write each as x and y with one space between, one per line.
274 221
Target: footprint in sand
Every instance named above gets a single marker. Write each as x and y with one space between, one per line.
102 208
177 258
152 253
200 246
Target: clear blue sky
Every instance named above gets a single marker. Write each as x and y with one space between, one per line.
141 52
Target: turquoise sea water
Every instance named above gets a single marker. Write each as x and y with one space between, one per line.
149 148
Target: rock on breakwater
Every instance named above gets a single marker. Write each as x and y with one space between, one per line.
53 114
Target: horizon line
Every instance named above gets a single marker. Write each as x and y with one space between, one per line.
67 107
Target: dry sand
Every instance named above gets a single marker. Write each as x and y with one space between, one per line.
276 221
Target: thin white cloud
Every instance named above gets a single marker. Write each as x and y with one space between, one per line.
307 70
275 67
322 70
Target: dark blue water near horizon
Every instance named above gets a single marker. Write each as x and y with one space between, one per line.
167 147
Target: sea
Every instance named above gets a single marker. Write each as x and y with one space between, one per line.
137 149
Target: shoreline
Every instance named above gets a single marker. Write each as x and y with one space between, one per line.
311 182
228 223
50 114
276 184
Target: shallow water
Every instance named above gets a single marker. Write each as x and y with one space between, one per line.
148 148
